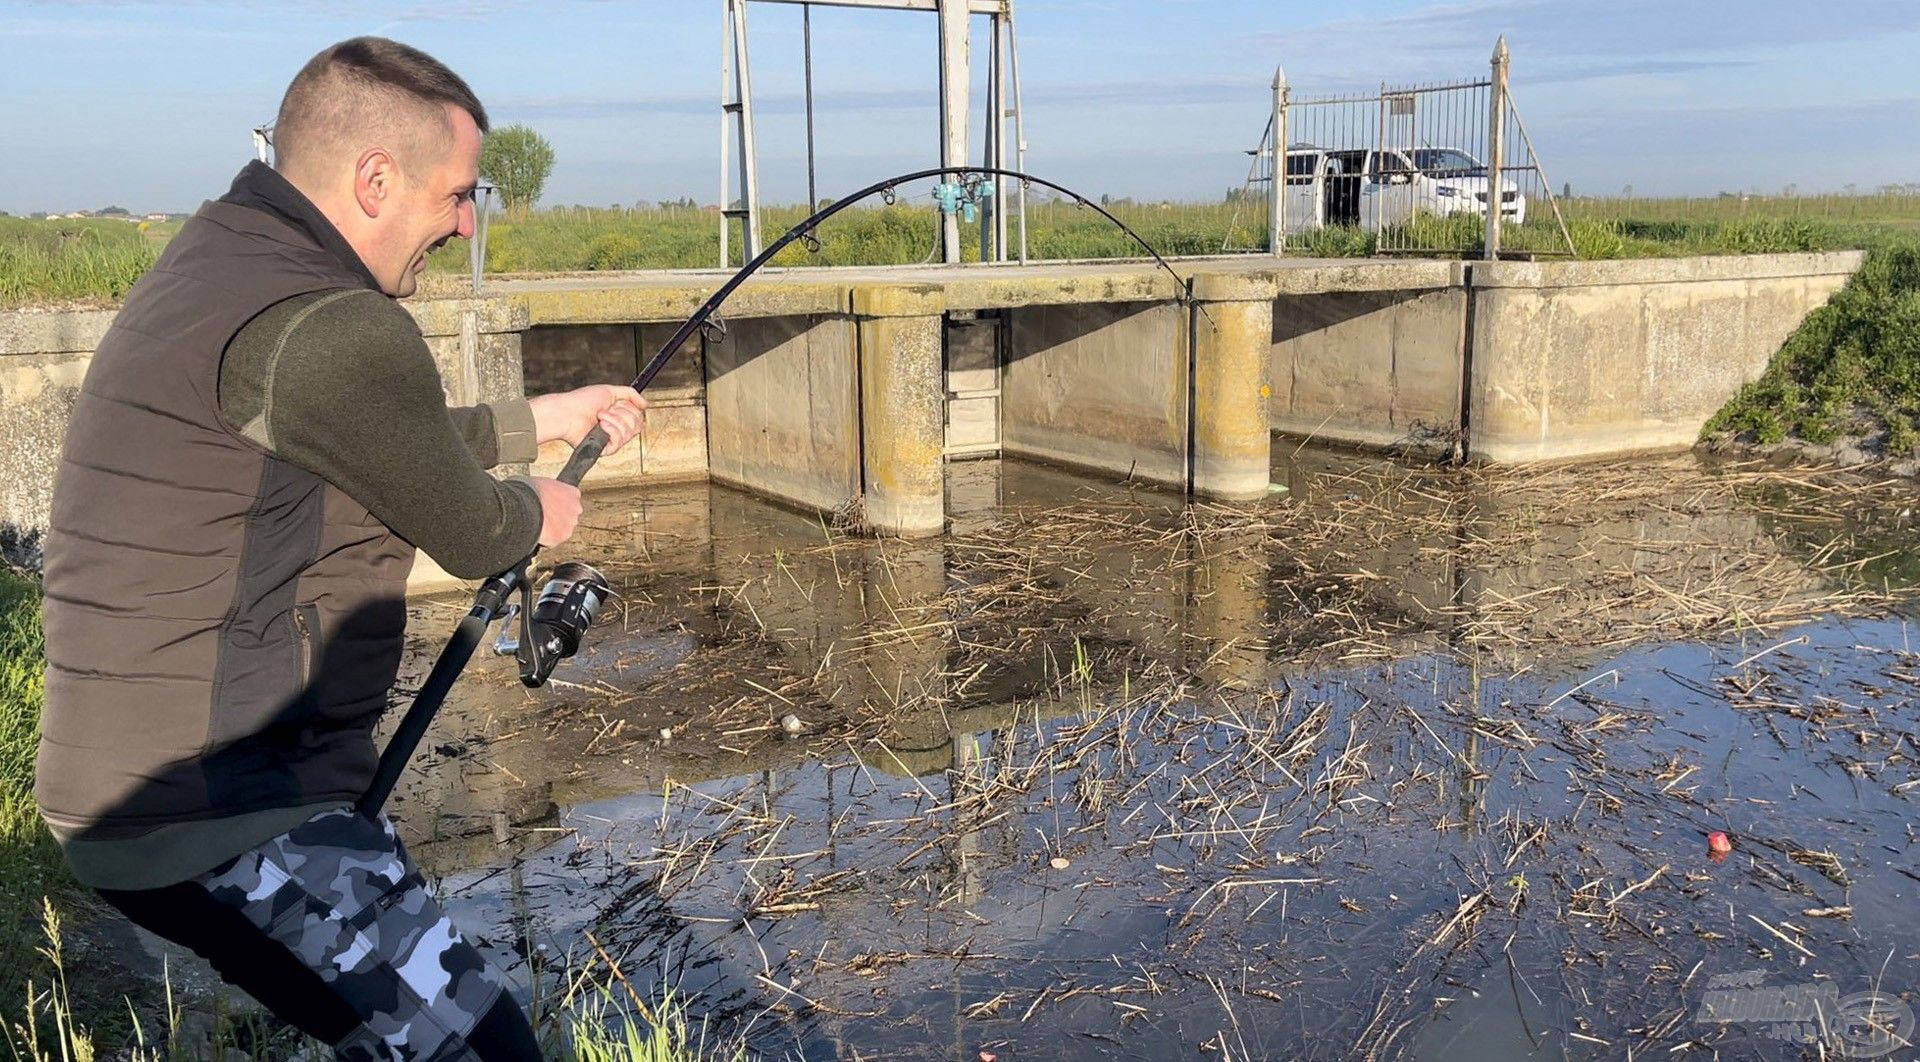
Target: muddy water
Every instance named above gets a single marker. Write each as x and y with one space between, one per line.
1403 763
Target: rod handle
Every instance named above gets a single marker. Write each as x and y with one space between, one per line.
584 456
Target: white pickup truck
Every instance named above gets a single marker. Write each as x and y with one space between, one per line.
1375 189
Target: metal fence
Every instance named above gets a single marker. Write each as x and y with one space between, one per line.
1414 169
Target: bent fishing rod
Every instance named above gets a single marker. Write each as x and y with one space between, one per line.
552 626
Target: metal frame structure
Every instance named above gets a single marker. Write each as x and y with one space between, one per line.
739 164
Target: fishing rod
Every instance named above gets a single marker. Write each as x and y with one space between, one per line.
552 626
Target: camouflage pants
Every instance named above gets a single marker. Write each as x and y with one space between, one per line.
339 892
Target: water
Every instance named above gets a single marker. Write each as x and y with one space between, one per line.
1409 763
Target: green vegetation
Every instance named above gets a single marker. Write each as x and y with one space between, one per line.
75 259
576 238
602 1031
30 865
569 239
517 160
1895 207
599 1019
98 259
1851 371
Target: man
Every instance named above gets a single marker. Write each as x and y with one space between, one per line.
260 445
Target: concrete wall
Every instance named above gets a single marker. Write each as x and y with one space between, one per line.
44 356
1567 359
560 358
1368 356
1577 359
1368 368
1101 385
782 409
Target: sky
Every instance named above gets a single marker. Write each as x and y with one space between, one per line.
150 106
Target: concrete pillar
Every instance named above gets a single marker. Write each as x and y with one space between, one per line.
902 414
1232 369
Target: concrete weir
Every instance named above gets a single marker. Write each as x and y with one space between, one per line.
848 389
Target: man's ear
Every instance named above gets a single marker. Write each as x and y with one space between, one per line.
376 177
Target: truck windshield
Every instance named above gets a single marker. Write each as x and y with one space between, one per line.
1447 162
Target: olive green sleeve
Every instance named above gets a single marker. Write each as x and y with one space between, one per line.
344 386
498 433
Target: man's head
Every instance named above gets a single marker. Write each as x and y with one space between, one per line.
386 142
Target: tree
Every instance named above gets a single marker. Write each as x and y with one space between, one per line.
517 160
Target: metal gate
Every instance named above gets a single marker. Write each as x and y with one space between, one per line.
972 355
1444 168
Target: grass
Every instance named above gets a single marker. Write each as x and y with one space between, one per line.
75 259
97 260
1897 210
31 868
1852 370
593 1022
571 239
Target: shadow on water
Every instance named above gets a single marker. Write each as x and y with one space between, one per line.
1407 763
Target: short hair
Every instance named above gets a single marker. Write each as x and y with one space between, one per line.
366 91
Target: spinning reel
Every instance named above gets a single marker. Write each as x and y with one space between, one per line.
552 626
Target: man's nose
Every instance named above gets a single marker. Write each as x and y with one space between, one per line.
464 227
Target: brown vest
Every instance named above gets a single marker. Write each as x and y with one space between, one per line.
222 626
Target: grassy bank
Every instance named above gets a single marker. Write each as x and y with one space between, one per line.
30 866
1852 370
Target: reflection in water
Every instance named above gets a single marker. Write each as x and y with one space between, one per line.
1414 762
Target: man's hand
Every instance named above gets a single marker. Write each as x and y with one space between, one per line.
559 510
570 415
